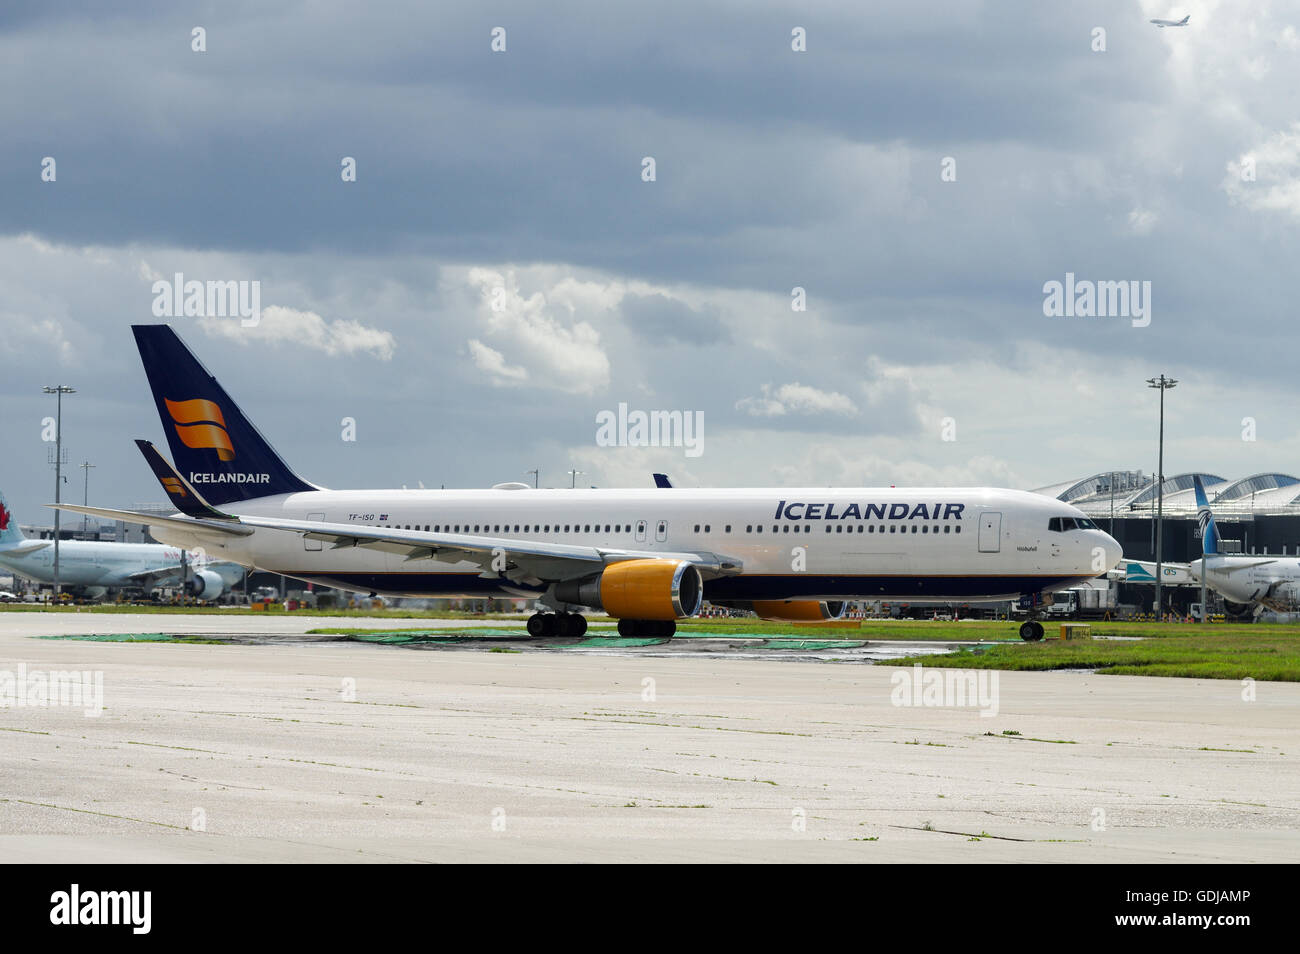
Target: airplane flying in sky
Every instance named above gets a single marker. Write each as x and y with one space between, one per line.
93 567
646 557
1172 23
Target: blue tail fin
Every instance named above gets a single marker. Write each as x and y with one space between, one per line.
9 532
1205 518
216 448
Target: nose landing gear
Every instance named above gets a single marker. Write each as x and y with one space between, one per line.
1031 631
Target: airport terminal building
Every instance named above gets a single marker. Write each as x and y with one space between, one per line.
1256 514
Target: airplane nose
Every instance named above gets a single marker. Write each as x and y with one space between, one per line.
1114 552
1104 552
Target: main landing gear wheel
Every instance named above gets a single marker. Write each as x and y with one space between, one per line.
647 628
1032 631
565 625
571 625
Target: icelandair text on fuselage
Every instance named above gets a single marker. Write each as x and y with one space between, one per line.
229 478
894 511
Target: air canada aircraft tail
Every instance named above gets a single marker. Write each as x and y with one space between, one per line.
9 532
214 446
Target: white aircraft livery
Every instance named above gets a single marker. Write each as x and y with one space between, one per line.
1272 582
94 567
646 557
1172 23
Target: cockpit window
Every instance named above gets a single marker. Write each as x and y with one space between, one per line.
1061 524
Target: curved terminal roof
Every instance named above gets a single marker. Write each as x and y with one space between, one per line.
1122 483
1135 493
1174 485
1253 485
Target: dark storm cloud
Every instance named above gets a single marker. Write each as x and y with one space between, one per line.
534 152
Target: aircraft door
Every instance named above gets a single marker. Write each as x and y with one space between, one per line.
661 531
640 531
307 543
990 532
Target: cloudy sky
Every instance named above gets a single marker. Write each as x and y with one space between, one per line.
500 272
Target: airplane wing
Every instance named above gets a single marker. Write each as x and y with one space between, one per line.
216 530
25 548
153 577
522 561
162 574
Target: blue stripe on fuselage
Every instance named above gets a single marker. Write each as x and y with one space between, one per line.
746 587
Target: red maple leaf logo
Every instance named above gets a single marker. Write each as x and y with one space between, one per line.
4 518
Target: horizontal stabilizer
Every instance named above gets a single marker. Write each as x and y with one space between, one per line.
158 520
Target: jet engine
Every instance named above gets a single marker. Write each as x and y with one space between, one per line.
206 585
639 589
799 611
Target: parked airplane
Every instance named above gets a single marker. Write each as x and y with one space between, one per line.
647 557
1144 571
1172 23
93 567
1272 582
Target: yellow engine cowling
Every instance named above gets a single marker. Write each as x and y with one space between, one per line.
799 611
640 589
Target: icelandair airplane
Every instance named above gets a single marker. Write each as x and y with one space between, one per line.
1172 23
646 557
93 567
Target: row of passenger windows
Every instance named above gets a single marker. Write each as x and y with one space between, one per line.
707 528
527 528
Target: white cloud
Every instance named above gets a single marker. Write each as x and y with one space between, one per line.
493 362
41 339
1275 165
1142 221
547 351
280 325
796 398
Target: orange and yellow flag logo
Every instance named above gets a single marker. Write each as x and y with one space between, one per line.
199 424
173 486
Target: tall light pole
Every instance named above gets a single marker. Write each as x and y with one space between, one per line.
59 391
1162 384
573 478
85 495
1112 503
535 474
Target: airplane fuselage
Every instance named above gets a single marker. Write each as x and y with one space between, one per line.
809 543
88 562
1251 579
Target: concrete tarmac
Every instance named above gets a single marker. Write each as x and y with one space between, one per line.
331 751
